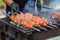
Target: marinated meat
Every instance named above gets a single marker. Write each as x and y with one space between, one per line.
29 20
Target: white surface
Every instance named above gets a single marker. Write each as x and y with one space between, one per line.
55 38
1 14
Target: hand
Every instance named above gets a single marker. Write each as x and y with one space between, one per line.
56 15
14 7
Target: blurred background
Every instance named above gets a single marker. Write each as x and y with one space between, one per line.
2 9
2 5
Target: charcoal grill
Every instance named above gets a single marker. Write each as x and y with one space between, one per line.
10 28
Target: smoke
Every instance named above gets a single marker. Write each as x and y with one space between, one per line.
30 8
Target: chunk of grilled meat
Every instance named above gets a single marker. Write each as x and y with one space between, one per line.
29 20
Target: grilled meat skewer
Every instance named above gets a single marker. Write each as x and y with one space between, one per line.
29 20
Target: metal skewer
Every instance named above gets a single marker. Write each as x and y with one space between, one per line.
56 24
36 29
50 27
43 28
53 26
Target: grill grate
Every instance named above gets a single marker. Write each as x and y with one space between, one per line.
25 30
